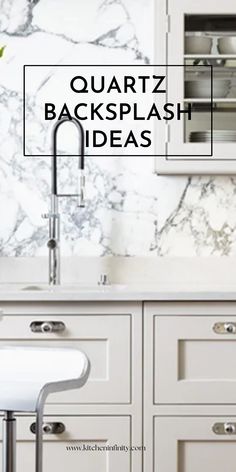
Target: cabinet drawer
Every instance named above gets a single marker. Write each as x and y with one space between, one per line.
194 359
105 339
70 450
190 445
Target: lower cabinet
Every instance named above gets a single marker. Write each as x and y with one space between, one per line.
103 420
190 386
88 444
159 373
191 444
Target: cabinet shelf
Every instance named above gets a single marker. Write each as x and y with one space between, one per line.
208 100
219 71
210 56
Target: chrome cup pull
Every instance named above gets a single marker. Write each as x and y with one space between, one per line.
225 328
224 428
47 326
49 428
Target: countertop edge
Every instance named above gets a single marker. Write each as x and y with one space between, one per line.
118 297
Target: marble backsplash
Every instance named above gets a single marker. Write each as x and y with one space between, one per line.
130 211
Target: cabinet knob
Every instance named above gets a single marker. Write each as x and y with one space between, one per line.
230 328
49 428
47 326
224 428
225 328
230 428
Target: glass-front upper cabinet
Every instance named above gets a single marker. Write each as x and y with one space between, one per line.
196 39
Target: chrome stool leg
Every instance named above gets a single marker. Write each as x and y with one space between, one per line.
39 441
9 443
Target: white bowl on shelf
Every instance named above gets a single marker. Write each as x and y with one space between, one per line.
202 88
227 45
198 45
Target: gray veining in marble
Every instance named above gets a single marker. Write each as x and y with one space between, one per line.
130 211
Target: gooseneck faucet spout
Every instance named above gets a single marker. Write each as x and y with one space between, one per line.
54 216
54 149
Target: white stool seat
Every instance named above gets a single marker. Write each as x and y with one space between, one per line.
27 371
27 376
26 399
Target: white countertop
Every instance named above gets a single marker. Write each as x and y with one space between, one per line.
132 279
18 292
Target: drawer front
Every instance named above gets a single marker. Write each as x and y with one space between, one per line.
190 445
105 339
70 450
194 359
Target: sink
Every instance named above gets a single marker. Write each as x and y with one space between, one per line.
72 288
33 288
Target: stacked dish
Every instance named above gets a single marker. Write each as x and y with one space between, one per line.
202 88
218 136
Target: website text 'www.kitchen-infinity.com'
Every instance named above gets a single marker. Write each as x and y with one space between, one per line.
93 447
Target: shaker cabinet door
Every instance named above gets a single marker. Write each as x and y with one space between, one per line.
106 339
194 359
190 445
80 448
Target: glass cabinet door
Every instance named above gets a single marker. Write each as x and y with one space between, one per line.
201 59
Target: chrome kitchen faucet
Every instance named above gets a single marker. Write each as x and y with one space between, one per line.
54 216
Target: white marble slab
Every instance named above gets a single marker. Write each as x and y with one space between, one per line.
130 211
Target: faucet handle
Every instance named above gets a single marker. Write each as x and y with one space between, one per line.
47 216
